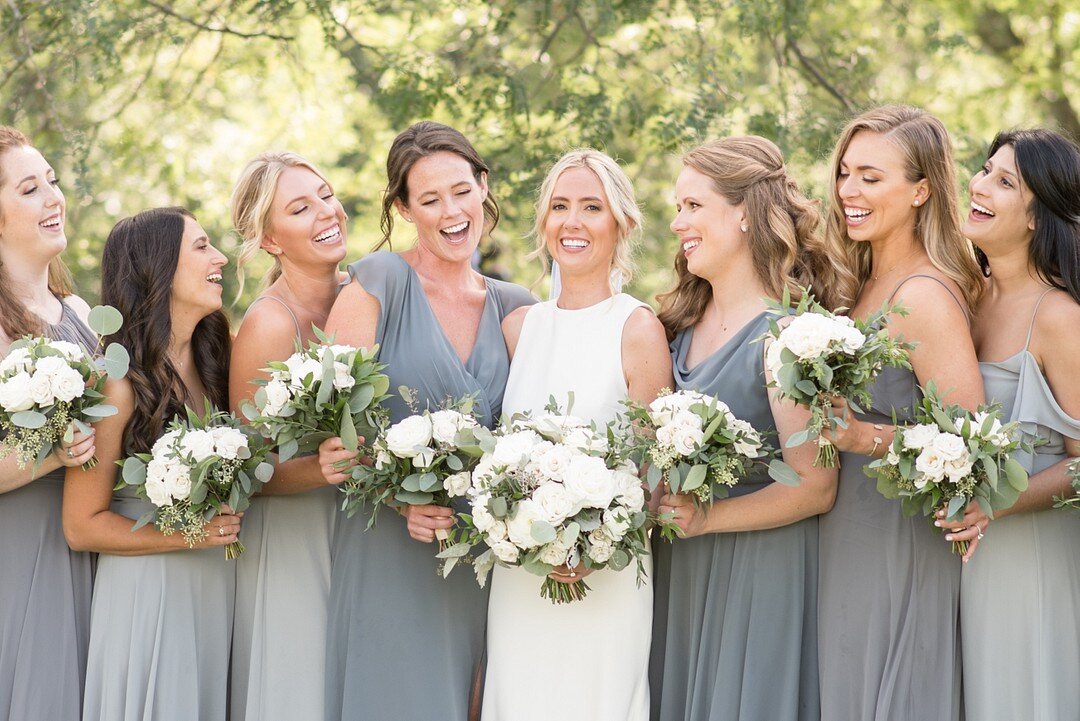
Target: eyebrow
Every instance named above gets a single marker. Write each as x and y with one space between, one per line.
589 197
201 237
1003 170
435 192
324 186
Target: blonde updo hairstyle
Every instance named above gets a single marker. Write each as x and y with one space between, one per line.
927 150
620 200
786 247
252 202
15 318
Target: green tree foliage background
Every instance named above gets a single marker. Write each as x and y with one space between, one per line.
152 103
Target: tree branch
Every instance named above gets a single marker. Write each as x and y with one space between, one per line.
817 77
224 29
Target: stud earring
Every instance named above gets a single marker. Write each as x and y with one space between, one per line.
744 227
917 203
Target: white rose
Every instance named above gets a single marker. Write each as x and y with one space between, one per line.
163 446
178 481
851 340
457 484
554 502
409 436
773 361
631 494
589 482
157 469
556 424
15 393
481 517
277 395
665 436
514 449
918 437
198 443
71 351
616 522
340 350
587 440
496 532
554 553
300 367
519 527
445 426
689 419
949 446
994 434
343 379
505 551
747 442
807 335
423 458
601 545
51 366
68 384
17 360
960 468
931 465
41 389
228 442
157 493
687 441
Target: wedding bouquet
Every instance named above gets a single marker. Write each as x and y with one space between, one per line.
196 467
1074 500
697 445
48 388
950 457
819 355
549 491
327 390
423 458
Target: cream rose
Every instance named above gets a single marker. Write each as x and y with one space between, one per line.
554 503
277 395
198 443
409 436
457 484
15 393
41 389
951 447
519 527
589 482
68 384
228 442
918 437
343 379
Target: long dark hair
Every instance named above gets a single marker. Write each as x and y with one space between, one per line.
137 269
1049 164
418 141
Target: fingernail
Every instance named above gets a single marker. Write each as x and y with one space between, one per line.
948 538
937 523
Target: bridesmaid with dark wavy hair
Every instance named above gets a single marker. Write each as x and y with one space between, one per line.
44 585
161 617
1019 592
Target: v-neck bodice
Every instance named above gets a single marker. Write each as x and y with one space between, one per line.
415 348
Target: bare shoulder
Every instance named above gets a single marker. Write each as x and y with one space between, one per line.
1056 324
267 320
514 320
120 393
644 330
932 303
80 306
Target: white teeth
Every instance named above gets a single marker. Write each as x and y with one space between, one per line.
979 208
214 278
456 228
326 235
856 212
574 243
690 245
50 223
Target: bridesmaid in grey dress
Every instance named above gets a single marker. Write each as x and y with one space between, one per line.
403 643
285 206
889 588
44 585
162 613
735 620
1018 593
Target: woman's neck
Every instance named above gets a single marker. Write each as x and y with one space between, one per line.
736 289
1012 273
32 282
312 289
897 252
582 291
450 274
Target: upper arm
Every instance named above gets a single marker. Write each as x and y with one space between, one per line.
646 358
511 328
267 333
1056 327
89 492
354 319
80 306
944 352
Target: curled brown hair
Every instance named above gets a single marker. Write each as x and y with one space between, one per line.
786 247
927 151
137 269
418 141
15 318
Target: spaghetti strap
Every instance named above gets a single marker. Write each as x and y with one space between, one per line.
1031 324
296 323
944 285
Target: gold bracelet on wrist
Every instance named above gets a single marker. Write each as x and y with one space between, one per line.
877 439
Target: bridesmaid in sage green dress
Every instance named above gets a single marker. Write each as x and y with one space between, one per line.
285 206
44 585
161 617
889 588
403 643
1018 593
735 633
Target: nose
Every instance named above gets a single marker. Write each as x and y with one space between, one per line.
326 208
678 223
976 184
56 196
220 259
846 187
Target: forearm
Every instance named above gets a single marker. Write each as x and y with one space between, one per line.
1043 488
12 477
296 475
109 532
774 506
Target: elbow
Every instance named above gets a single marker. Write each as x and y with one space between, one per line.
77 537
826 499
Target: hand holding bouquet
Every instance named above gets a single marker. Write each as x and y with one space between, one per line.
422 459
50 388
550 491
197 467
1072 501
327 390
820 355
697 445
950 457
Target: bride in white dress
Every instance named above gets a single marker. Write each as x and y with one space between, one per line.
587 659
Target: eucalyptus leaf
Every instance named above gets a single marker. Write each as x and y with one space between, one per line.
117 361
783 473
29 419
104 320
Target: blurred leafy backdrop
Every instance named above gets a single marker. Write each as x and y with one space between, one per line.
151 103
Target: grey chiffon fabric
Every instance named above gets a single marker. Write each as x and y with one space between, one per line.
45 591
888 600
403 643
734 635
1020 593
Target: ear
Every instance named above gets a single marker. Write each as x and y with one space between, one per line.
744 223
270 246
922 193
1031 224
402 210
483 186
